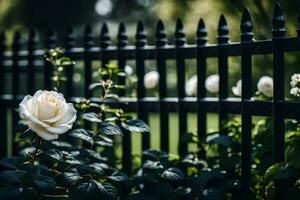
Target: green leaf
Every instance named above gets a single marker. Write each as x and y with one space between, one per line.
189 138
63 156
223 140
71 178
92 117
94 190
118 177
213 194
135 125
95 85
44 183
11 177
83 134
10 163
172 174
155 155
279 171
103 141
192 161
109 128
10 192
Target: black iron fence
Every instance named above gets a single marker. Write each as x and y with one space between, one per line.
30 61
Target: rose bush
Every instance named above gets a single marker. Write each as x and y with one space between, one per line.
47 114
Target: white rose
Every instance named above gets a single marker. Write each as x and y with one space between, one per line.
128 70
212 83
295 91
265 86
151 79
237 89
191 86
47 114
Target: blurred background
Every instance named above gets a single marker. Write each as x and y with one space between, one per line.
25 14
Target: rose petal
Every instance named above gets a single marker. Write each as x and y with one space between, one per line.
40 131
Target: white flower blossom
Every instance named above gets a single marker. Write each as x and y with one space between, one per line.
191 86
151 79
295 91
295 82
212 83
265 86
47 114
237 89
128 69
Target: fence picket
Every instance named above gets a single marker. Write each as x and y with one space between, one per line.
16 46
180 63
69 70
201 76
31 45
278 32
161 42
126 142
246 73
50 43
3 114
140 70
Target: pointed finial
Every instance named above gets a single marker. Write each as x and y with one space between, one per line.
104 37
122 37
161 36
201 33
70 38
278 22
140 35
223 36
179 33
2 41
32 39
16 40
246 26
51 38
88 37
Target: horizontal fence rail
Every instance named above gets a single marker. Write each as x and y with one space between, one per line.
30 61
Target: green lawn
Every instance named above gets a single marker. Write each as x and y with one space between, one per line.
212 124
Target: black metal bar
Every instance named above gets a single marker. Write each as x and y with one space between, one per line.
88 44
104 44
51 42
180 63
201 75
141 41
126 143
246 73
32 41
69 71
3 114
15 84
161 41
278 96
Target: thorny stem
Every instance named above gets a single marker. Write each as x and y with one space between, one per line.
39 141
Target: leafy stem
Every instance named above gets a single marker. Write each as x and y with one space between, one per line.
39 142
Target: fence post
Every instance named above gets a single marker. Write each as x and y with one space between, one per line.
16 46
161 42
32 41
246 73
3 114
278 95
126 142
180 64
140 68
201 75
69 71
